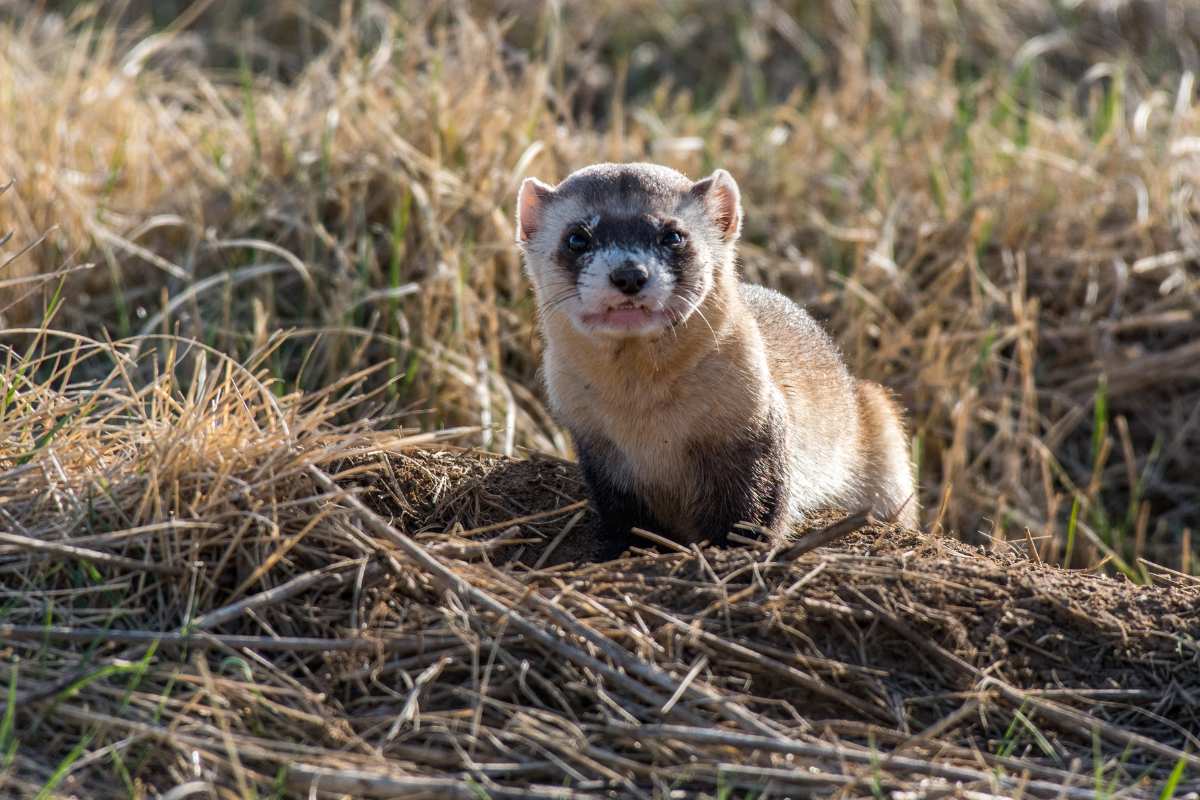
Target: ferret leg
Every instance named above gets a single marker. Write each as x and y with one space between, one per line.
619 508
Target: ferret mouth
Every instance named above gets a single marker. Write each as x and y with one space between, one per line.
627 318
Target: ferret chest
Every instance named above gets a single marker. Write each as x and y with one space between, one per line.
654 462
654 454
649 440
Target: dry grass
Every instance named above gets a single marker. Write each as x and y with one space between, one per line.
244 254
1001 228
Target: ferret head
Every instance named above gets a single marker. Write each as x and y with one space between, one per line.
624 250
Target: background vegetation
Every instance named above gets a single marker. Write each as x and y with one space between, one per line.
993 207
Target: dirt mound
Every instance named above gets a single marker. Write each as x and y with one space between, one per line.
883 627
406 645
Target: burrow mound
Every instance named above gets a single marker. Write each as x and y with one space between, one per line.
886 626
394 635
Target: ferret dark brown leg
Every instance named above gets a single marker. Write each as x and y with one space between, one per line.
742 479
619 509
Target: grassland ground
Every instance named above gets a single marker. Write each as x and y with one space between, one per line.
426 630
276 475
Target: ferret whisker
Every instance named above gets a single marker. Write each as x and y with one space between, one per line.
694 308
672 318
547 309
699 313
557 300
560 295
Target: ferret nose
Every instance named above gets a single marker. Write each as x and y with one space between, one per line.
629 278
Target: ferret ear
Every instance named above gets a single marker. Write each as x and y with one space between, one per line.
723 202
531 205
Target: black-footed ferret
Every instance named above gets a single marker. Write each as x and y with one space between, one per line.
695 401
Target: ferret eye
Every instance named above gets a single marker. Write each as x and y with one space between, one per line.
673 239
578 241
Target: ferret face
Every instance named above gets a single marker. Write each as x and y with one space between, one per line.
627 250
